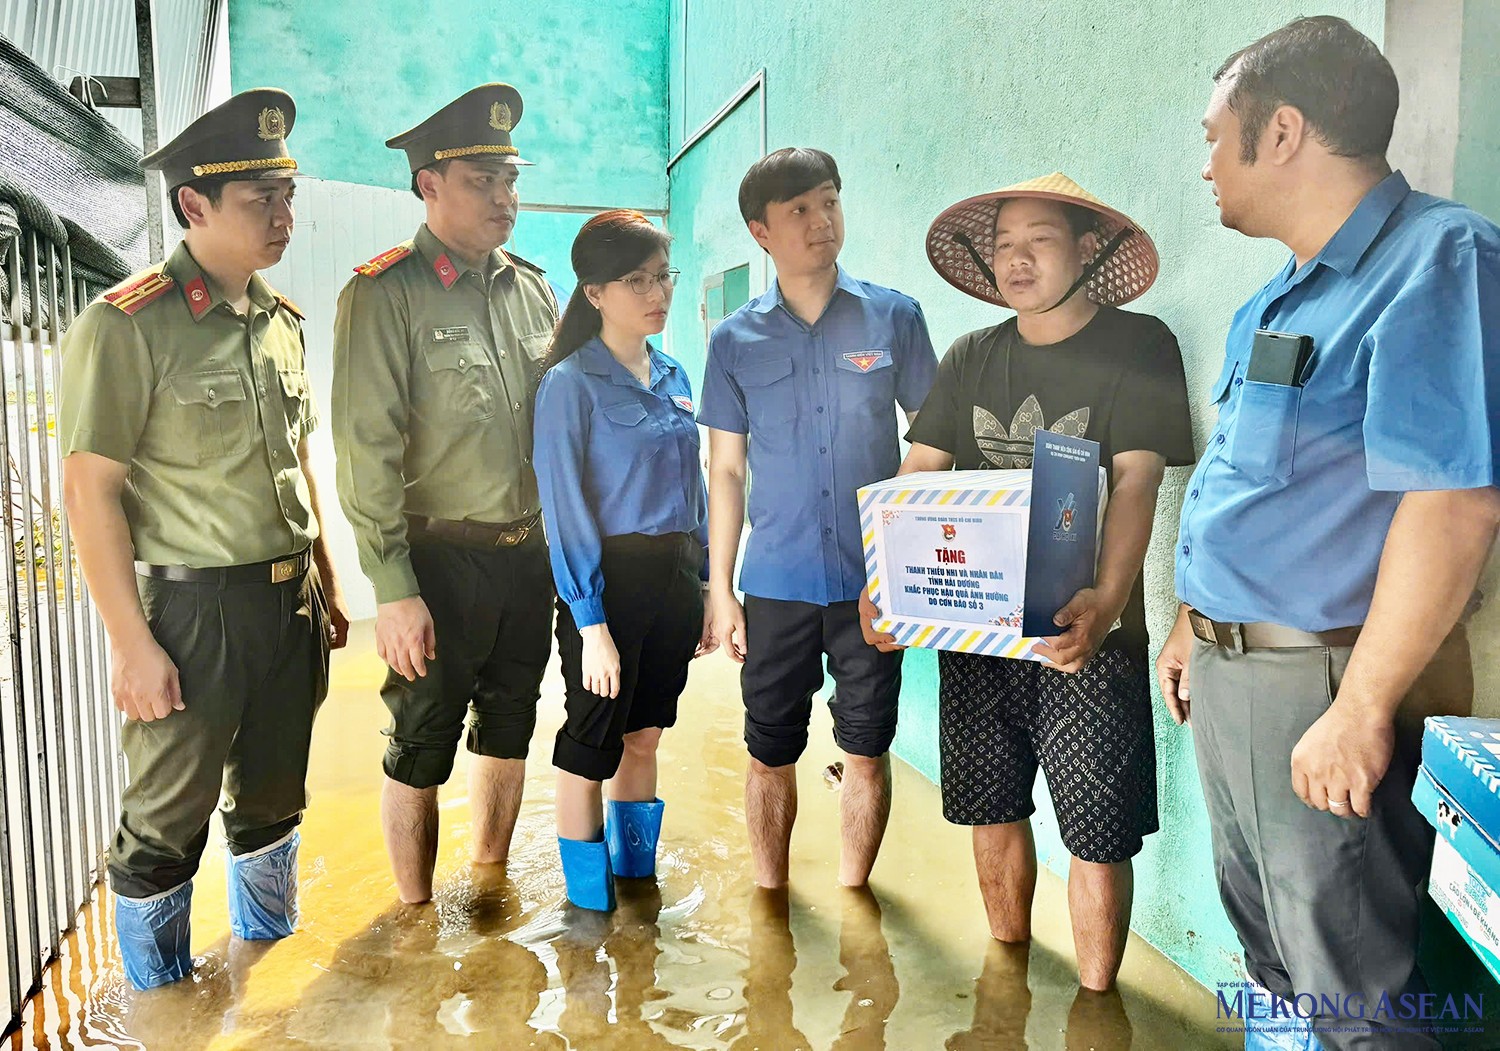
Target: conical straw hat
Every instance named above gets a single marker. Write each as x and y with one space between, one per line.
1127 274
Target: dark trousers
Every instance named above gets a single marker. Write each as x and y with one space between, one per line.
1321 904
252 660
492 616
784 669
653 604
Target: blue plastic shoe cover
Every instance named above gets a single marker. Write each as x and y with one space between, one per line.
153 934
1280 1029
632 831
263 891
586 872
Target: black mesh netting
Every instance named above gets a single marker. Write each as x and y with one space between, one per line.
67 175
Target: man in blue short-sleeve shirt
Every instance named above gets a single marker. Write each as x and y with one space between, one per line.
807 377
1336 525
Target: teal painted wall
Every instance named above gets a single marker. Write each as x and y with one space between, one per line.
922 103
1476 172
925 102
1476 182
593 77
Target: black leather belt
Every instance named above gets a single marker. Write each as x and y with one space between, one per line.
477 534
275 571
1262 636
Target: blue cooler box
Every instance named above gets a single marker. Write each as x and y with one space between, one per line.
1458 792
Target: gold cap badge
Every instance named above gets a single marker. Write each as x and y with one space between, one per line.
272 124
500 117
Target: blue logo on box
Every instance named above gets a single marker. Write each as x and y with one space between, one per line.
1065 512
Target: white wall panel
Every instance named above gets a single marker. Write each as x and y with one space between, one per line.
339 226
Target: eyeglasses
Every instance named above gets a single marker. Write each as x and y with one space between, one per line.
642 284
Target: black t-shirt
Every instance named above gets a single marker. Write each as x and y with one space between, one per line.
1117 381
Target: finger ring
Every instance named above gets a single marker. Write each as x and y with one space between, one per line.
1338 802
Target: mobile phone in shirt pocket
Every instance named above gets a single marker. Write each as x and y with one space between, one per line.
1265 431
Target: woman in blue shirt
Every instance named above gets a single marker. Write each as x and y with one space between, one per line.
627 523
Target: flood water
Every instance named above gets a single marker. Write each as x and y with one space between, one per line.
697 959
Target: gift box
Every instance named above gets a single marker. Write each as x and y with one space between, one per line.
1458 792
981 561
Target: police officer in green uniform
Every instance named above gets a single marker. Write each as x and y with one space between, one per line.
437 345
184 412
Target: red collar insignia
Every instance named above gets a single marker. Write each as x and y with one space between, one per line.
447 273
199 301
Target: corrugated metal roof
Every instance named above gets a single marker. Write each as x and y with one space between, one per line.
71 37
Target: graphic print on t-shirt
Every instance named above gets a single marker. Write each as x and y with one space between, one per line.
1010 450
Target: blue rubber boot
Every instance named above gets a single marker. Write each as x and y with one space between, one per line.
153 934
263 891
586 871
632 831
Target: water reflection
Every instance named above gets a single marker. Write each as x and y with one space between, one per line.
432 976
1098 1022
768 977
869 973
633 946
698 959
1002 1002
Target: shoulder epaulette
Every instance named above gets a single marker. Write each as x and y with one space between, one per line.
135 292
528 264
291 307
385 260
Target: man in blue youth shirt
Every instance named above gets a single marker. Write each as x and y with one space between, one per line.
807 378
1336 525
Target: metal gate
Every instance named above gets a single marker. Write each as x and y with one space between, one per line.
60 764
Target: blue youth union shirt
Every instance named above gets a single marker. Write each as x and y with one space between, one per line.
818 404
1287 513
613 458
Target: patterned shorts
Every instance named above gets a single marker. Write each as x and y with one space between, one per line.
1091 732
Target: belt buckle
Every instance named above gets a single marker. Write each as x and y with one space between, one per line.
511 539
1204 628
284 570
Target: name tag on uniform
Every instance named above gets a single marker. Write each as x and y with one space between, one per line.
455 334
683 402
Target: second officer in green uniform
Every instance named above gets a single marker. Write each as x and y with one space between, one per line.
436 350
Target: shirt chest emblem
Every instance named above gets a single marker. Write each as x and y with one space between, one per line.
865 360
451 334
683 402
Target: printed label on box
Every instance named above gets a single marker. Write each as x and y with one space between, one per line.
1470 904
968 560
964 566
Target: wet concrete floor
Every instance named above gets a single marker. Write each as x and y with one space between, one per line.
700 959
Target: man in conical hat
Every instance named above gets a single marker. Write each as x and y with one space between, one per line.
184 411
1070 361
